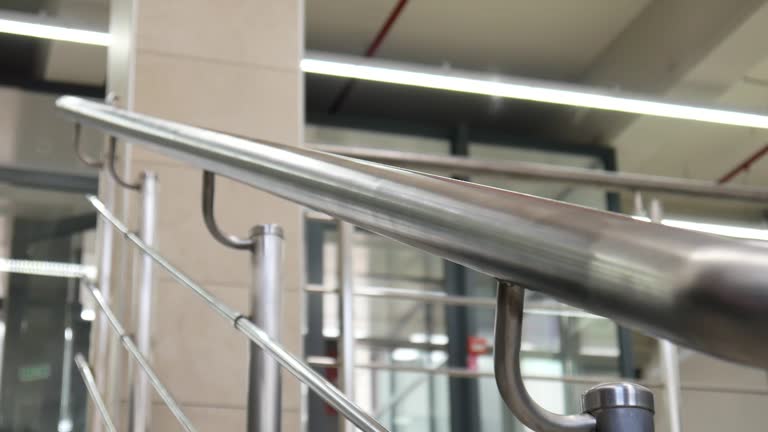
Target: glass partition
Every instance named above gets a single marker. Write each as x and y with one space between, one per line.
44 218
399 341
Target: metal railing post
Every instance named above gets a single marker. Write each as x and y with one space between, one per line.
141 393
266 246
346 349
102 339
264 389
668 352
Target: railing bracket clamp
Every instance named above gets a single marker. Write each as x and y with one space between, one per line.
79 152
111 159
209 190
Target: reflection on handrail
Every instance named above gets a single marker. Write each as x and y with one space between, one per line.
47 268
667 282
452 300
131 347
294 365
93 391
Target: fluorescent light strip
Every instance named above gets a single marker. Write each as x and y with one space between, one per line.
533 90
723 230
47 268
54 32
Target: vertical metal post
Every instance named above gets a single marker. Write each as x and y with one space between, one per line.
141 390
626 360
103 337
463 395
620 407
264 393
346 317
65 411
668 353
314 343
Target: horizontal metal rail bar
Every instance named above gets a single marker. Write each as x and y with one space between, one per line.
47 268
698 290
448 299
131 347
93 391
330 362
294 365
457 165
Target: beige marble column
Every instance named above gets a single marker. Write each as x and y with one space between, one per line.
233 66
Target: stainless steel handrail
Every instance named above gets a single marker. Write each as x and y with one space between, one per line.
706 292
93 391
294 365
458 165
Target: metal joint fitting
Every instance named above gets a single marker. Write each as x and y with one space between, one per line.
620 407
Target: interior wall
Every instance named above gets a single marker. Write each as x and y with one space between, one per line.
242 78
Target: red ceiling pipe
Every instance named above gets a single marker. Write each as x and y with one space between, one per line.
370 52
744 166
384 30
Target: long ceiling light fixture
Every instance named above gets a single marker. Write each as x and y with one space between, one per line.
518 88
25 27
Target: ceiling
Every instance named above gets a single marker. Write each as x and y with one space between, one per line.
705 52
501 37
698 51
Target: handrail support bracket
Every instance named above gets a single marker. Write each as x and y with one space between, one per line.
611 407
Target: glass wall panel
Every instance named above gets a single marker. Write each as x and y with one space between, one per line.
46 320
399 341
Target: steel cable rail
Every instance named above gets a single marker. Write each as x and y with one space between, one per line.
93 391
131 347
295 366
698 290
